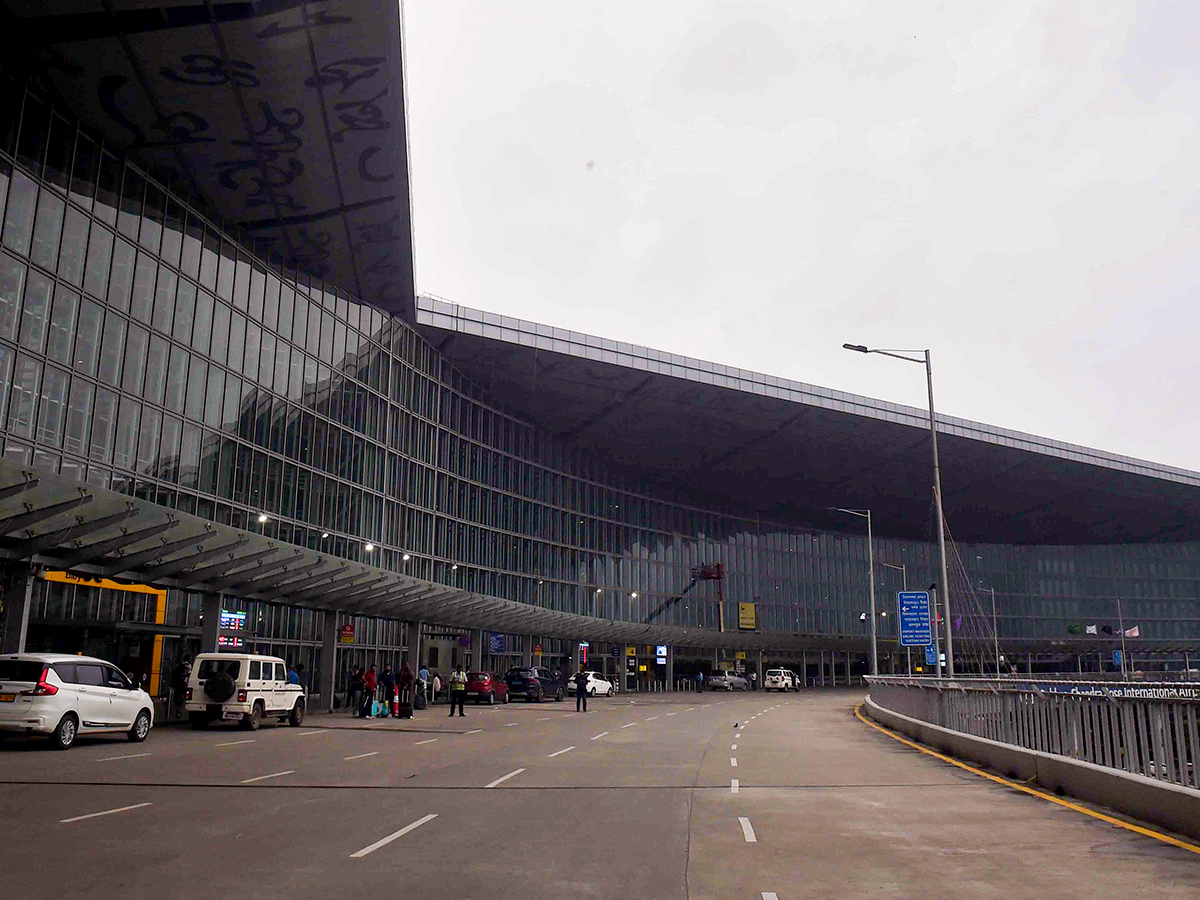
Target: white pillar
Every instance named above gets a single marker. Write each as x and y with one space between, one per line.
329 648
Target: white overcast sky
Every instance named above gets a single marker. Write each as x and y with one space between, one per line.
1015 186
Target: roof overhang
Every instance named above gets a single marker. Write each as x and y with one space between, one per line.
94 533
759 446
286 117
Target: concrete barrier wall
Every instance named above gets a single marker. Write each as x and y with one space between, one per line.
1171 806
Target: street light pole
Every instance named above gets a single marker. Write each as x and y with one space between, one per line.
866 514
904 587
937 482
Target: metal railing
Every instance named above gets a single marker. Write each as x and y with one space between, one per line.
1147 728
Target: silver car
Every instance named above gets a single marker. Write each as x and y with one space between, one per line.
727 681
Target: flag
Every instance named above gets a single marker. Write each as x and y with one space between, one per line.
1135 631
1091 629
1107 629
1074 628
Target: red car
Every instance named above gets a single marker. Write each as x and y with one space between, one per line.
484 687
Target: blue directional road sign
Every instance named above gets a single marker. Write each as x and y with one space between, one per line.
915 630
1116 657
931 655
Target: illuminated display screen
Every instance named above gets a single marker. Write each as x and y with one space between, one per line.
229 640
232 621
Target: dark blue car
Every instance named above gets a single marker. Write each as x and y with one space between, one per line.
533 683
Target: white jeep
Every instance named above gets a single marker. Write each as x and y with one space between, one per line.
241 686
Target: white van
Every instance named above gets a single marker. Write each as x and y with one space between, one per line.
243 687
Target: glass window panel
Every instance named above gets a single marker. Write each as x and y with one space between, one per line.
193 236
108 184
99 254
104 426
12 286
87 344
27 380
210 250
152 218
5 168
47 229
31 143
253 340
220 332
52 410
168 453
203 326
295 384
125 443
271 311
189 456
156 369
231 413
6 365
237 341
299 318
120 282
149 434
176 380
214 401
197 378
266 361
35 310
327 331
18 215
257 294
110 349
136 343
62 324
79 416
287 301
74 247
142 301
58 152
172 239
165 304
282 354
217 460
83 173
132 193
226 265
339 345
312 342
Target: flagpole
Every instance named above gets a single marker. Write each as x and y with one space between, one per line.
1121 619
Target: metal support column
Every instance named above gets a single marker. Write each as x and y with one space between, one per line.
18 598
329 648
210 622
574 666
416 647
670 668
527 650
760 668
804 668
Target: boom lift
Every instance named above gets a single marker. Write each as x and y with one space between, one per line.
713 572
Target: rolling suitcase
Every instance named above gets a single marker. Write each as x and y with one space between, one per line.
405 711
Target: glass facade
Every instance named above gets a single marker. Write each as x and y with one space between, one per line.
146 348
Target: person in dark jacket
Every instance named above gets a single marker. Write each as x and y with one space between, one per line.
404 682
354 690
369 685
388 683
581 680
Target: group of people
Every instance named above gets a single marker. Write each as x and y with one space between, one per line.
368 685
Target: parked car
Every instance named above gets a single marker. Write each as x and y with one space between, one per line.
778 680
484 687
597 685
244 687
726 680
68 696
534 683
797 683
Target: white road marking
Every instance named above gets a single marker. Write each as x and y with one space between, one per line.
235 743
476 731
733 761
630 725
419 743
689 709
303 733
264 777
361 755
383 842
511 724
733 746
127 756
107 812
738 735
769 895
560 752
544 719
672 714
652 718
734 785
597 737
747 830
504 778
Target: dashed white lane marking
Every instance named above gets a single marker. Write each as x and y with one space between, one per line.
361 755
476 731
126 756
265 777
107 812
734 785
672 714
383 842
234 743
598 736
504 778
651 719
733 761
419 743
511 724
305 733
629 725
769 895
560 752
689 709
544 719
733 746
738 735
747 830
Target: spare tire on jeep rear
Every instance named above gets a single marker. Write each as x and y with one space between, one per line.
219 687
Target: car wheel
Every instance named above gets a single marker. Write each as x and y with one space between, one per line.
66 732
558 697
593 693
141 727
491 698
252 719
297 715
198 719
506 697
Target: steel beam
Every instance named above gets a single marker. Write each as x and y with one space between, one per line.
42 542
32 516
244 585
21 487
320 576
244 575
124 539
167 570
202 575
124 563
322 589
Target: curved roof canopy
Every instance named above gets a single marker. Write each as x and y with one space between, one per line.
285 117
762 446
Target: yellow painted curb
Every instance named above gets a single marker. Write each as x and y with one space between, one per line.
1025 789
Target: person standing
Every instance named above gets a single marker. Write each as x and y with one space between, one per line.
388 683
754 681
581 680
179 682
458 690
700 681
292 677
302 678
404 684
423 682
354 690
369 685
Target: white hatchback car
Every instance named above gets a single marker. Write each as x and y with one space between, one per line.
244 687
597 685
68 696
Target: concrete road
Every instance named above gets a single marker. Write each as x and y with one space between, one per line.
643 797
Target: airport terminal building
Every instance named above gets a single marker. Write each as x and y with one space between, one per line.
227 420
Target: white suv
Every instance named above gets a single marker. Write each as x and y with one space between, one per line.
242 686
778 680
67 696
